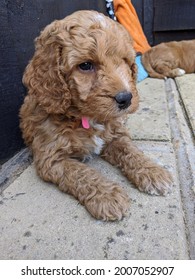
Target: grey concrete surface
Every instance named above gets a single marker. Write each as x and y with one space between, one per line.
187 92
37 221
151 121
184 147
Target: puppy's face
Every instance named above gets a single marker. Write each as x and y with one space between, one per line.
86 62
97 63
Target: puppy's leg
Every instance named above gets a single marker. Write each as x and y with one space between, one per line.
168 71
102 198
178 72
140 170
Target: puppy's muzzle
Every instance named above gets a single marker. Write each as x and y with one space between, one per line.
123 99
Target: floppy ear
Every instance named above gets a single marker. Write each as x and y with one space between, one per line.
43 77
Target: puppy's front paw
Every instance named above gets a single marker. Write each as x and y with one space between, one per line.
155 180
108 205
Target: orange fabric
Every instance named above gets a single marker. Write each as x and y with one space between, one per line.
127 16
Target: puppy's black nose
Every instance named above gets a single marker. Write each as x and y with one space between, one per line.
123 99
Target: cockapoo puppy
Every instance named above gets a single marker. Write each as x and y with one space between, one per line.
172 59
81 83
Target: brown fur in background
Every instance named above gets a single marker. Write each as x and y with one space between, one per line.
84 66
170 59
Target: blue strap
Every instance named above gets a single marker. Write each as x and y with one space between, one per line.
142 74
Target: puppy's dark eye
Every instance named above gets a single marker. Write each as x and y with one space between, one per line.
86 66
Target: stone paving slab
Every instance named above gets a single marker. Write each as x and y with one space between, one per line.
151 121
186 87
184 147
40 222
